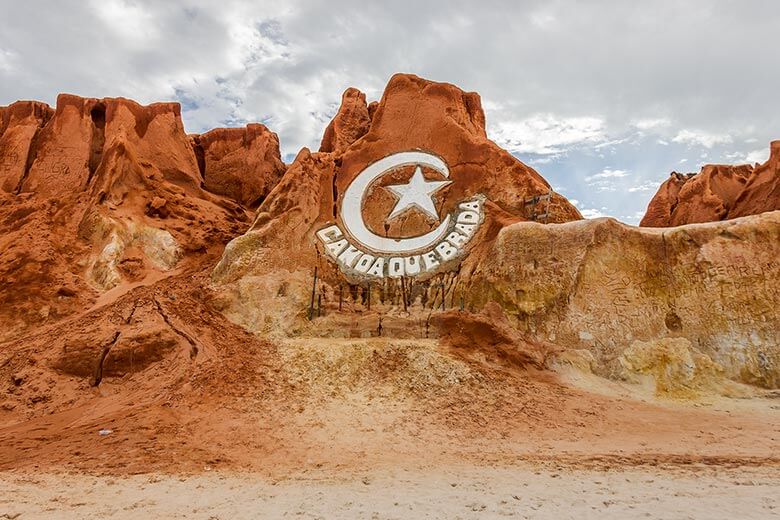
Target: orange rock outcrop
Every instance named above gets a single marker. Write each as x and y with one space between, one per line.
718 192
241 163
142 293
104 193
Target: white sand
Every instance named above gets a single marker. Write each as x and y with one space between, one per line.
465 492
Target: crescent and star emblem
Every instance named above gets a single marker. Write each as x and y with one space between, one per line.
360 251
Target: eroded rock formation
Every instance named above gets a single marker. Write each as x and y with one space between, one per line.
19 127
718 192
350 123
604 286
597 287
241 163
101 193
413 114
103 196
113 315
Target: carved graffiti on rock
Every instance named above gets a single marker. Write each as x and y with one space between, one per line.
359 251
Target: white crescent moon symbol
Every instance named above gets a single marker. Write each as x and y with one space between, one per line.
351 204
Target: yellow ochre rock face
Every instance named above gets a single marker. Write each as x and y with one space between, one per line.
596 286
602 285
677 368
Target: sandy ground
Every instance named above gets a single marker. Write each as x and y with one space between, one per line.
209 421
452 493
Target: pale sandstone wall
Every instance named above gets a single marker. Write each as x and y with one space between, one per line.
602 285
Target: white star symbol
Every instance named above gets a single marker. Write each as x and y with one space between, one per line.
417 193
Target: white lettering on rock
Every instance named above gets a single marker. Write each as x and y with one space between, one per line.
412 265
359 252
365 262
377 268
348 257
466 229
468 217
446 251
429 260
395 267
472 205
456 239
335 248
329 233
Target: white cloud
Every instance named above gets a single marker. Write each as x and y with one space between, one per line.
705 139
607 173
543 20
611 144
127 19
546 134
633 218
6 60
592 213
256 42
651 124
756 156
605 180
546 159
645 186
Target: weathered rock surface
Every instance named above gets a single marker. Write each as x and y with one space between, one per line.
604 286
597 287
102 196
718 192
489 334
676 368
20 123
110 306
96 194
413 114
55 152
83 132
241 163
350 123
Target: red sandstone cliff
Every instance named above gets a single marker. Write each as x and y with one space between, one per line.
241 163
413 114
49 151
101 196
104 193
718 192
19 127
112 219
350 123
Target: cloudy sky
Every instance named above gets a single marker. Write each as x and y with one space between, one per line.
604 98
